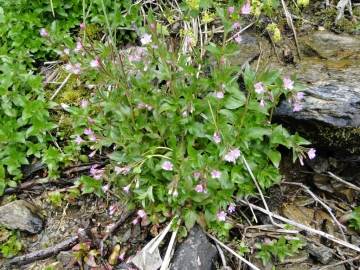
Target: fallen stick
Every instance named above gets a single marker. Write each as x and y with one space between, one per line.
44 253
291 222
232 252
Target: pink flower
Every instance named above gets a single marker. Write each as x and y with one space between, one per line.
232 155
93 169
88 131
91 86
231 208
246 8
301 161
99 174
66 50
231 10
79 140
118 169
220 95
105 188
311 153
262 103
146 39
223 86
149 107
288 84
141 213
300 95
215 174
238 39
188 40
216 138
175 194
84 103
196 175
127 188
223 59
93 138
170 191
259 87
180 69
184 114
94 63
43 32
69 66
140 105
122 256
82 26
167 166
297 107
152 26
135 221
92 154
236 25
199 188
221 216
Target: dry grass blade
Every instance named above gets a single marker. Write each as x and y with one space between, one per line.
301 226
232 252
259 189
291 25
322 203
343 181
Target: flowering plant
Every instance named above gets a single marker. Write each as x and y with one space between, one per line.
181 144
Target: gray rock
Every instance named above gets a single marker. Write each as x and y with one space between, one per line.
323 183
195 252
321 253
21 215
329 68
319 164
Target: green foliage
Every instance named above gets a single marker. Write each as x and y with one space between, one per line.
184 142
12 246
278 248
353 218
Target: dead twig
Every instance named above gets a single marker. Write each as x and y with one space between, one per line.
291 25
336 264
44 253
328 209
301 226
122 219
259 189
60 87
232 252
341 8
343 181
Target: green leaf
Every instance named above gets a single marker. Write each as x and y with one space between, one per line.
256 133
118 156
190 218
275 157
233 103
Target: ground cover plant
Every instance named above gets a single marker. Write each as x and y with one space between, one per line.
185 145
184 140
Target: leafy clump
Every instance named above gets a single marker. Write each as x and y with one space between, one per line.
184 145
12 246
279 248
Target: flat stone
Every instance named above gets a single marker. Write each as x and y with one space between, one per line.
346 194
323 183
21 215
195 252
321 253
301 266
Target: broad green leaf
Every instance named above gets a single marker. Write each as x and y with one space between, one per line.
275 157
